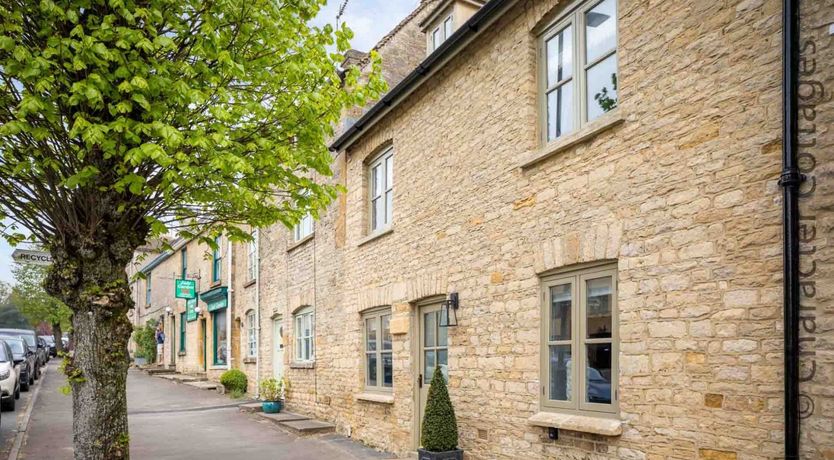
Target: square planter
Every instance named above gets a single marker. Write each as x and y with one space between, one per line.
456 454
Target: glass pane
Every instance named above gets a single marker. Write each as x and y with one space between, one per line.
598 373
430 362
602 87
447 25
442 334
306 354
379 213
443 362
370 334
560 373
389 206
221 338
308 325
389 172
560 312
370 365
598 308
386 332
387 370
377 180
435 38
430 327
600 30
560 56
560 111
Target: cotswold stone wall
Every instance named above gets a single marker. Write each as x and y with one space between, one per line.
682 194
816 155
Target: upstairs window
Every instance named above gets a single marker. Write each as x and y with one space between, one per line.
381 180
183 264
441 33
304 228
251 263
216 262
579 68
148 290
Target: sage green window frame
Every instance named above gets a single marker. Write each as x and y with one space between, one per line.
573 16
148 289
577 278
305 345
377 317
214 324
386 167
216 262
184 264
182 332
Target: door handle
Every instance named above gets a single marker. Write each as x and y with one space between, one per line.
420 381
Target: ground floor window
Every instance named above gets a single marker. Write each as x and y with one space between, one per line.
182 332
251 335
220 337
579 323
379 363
304 343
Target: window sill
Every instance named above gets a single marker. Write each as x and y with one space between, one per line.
590 131
182 353
300 242
250 360
219 367
303 365
581 423
375 235
375 397
249 283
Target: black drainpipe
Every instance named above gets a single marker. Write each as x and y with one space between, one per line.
790 180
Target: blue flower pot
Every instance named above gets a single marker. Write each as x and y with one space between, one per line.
272 407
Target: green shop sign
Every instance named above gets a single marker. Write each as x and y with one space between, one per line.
215 299
190 309
185 289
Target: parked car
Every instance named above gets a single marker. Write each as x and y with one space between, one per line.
43 350
31 341
9 378
50 342
22 354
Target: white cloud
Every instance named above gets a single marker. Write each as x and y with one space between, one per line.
370 20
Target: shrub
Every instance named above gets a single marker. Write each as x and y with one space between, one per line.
235 394
271 390
234 379
440 429
145 338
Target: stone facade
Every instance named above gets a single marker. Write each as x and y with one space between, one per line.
677 188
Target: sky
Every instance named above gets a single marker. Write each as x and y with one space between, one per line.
370 20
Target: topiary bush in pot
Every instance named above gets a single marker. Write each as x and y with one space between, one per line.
271 392
234 379
439 435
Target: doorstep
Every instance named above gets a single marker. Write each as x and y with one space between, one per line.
251 407
298 424
203 385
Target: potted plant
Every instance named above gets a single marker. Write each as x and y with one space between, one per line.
271 391
439 436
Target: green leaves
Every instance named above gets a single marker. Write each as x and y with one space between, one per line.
215 113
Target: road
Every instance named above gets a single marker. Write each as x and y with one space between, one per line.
11 420
174 421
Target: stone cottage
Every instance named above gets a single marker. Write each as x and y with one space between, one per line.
574 210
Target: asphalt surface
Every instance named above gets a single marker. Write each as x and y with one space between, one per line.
10 421
175 421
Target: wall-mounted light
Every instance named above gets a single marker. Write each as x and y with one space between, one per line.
168 311
198 310
449 311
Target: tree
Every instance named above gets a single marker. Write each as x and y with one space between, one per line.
121 120
38 306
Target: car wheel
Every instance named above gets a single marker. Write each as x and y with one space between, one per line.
7 404
31 380
17 392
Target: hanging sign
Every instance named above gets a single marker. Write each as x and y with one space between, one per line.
185 289
190 311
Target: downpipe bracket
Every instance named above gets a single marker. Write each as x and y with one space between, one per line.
791 178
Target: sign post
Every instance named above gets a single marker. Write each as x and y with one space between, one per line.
32 257
185 289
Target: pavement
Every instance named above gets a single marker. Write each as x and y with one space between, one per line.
175 421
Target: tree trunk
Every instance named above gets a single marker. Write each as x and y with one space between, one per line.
57 335
89 276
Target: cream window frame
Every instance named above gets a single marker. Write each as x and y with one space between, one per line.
299 353
377 315
381 161
577 279
304 228
574 15
251 335
250 260
444 29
